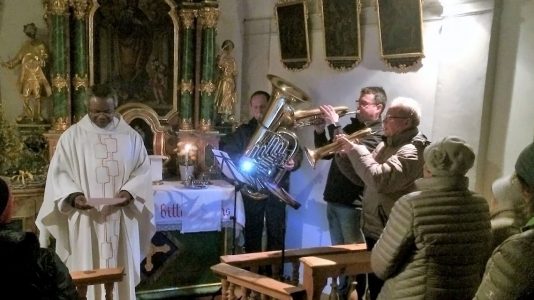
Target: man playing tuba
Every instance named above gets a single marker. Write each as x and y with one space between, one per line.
271 208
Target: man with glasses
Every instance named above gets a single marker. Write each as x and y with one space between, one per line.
98 202
342 196
388 172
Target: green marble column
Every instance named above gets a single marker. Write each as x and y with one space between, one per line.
80 60
59 45
187 17
208 19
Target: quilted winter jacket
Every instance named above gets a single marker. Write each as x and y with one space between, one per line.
435 244
510 270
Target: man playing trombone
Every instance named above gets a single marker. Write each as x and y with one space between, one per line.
343 197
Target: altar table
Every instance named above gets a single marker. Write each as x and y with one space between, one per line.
194 228
195 209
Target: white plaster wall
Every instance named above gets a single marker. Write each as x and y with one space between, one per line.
512 110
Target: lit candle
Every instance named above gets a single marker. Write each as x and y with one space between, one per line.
187 147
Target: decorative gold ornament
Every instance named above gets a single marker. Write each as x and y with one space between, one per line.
205 125
22 177
188 16
80 8
80 81
209 17
61 124
60 82
207 87
186 124
59 7
186 86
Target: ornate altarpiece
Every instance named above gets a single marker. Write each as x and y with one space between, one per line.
158 54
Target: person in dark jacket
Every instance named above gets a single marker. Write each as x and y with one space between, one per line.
271 209
30 272
342 196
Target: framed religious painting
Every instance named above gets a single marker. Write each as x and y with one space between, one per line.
400 26
132 46
292 18
341 23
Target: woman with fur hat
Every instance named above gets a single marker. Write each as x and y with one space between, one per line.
507 209
28 271
510 270
436 241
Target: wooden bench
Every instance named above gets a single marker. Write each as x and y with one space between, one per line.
239 276
107 277
250 282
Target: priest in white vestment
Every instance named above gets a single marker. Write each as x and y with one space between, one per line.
100 160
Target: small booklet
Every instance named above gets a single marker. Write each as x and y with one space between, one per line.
104 201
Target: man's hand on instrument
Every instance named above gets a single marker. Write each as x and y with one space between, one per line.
80 202
346 144
125 195
289 165
329 114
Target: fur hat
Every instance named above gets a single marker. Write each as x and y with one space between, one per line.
507 193
524 166
451 156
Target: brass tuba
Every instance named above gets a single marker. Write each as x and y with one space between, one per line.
314 155
274 143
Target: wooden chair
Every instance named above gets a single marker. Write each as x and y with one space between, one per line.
239 276
107 277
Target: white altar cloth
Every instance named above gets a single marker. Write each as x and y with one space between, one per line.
196 210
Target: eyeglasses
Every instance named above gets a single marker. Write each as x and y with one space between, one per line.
364 104
387 118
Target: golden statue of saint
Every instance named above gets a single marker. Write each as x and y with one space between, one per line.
226 88
32 81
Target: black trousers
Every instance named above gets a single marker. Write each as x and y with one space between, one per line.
374 283
273 210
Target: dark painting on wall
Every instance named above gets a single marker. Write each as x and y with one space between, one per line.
401 37
341 22
293 33
133 49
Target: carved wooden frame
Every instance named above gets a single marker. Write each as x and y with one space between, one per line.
132 111
400 25
342 37
292 18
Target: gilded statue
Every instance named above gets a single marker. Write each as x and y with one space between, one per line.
225 97
32 82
